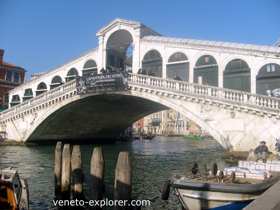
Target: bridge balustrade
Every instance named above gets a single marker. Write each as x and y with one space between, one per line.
229 95
49 95
181 87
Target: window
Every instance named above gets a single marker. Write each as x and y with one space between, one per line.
9 76
268 68
6 98
272 68
13 76
16 77
206 59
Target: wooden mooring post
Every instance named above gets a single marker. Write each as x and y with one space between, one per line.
57 168
69 175
123 174
97 173
76 173
65 173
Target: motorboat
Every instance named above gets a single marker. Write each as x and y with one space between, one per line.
14 193
232 188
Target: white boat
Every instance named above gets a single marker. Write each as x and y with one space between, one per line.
14 193
238 187
197 195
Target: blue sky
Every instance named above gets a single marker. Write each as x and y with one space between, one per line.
40 35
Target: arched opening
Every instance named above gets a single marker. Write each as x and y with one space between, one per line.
237 75
178 67
56 81
152 64
125 109
84 113
119 52
72 74
268 80
41 88
15 100
206 71
28 94
90 68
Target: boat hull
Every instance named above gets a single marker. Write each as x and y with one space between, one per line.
24 200
197 200
195 195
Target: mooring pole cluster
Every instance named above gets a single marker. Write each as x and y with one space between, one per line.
69 176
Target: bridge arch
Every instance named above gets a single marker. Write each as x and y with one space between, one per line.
237 75
41 88
71 74
268 80
177 66
56 81
206 68
156 99
152 63
119 51
90 67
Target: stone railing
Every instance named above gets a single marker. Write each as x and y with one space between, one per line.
69 86
233 97
265 103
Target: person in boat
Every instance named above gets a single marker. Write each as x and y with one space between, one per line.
261 151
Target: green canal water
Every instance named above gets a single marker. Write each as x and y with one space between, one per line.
153 163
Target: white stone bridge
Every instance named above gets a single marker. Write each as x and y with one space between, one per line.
220 86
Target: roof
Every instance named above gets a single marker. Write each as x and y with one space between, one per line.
10 65
233 45
117 21
134 24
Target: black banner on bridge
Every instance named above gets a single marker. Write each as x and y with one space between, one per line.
102 83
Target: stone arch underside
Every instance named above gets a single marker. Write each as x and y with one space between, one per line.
94 116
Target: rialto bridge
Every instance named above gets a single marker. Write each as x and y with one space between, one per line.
226 88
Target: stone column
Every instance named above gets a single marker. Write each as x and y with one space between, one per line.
191 72
136 54
253 81
221 76
101 61
164 68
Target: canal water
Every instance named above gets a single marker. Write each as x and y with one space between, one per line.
153 163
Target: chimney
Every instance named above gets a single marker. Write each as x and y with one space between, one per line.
1 56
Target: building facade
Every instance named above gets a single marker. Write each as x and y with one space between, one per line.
10 77
167 123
